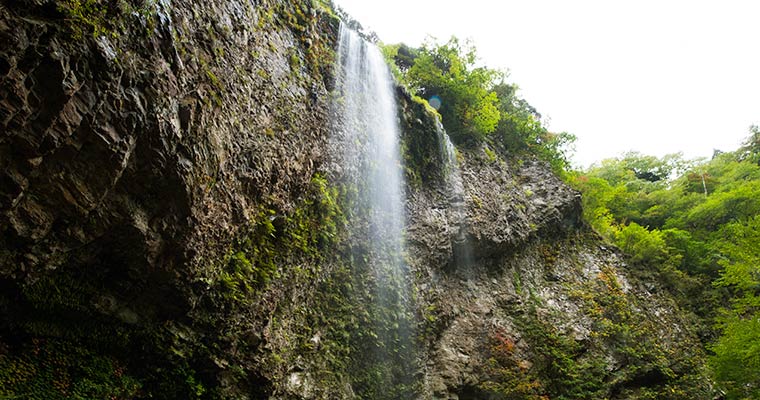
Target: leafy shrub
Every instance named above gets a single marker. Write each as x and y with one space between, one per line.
57 369
474 102
641 244
690 229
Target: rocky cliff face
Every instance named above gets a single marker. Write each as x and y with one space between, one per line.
141 142
174 226
521 300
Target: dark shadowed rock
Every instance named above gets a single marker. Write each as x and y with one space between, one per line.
173 225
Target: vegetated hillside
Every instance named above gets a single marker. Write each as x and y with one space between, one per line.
694 224
531 304
175 224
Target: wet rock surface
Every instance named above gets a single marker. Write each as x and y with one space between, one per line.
137 141
166 203
186 118
520 298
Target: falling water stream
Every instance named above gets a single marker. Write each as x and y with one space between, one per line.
457 211
370 129
367 135
450 168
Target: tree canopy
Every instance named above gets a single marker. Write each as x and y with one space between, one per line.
693 224
697 225
476 103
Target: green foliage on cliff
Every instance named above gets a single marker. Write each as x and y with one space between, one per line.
337 328
85 15
271 240
695 224
79 338
737 351
475 102
622 356
467 105
78 341
55 369
104 17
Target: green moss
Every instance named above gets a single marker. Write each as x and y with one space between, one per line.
557 367
294 59
420 147
265 17
102 18
218 52
69 341
489 153
211 76
258 254
307 21
217 86
85 16
56 369
360 340
324 6
506 374
424 103
624 355
560 363
262 73
476 201
662 371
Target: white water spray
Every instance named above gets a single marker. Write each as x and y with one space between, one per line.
366 137
370 136
457 212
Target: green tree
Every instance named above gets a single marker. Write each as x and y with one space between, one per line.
475 103
468 105
750 150
692 222
736 362
642 244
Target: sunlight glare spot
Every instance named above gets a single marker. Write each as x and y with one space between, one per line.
435 102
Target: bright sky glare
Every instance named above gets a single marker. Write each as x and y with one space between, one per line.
653 76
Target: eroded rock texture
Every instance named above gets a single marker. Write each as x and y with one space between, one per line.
137 140
521 300
173 225
167 119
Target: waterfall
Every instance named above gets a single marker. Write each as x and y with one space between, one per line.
450 167
366 136
457 212
370 136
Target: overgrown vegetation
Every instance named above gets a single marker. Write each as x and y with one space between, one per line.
103 17
476 103
72 339
368 339
622 357
75 338
307 20
55 369
694 223
347 325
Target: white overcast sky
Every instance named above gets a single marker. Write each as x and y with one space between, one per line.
653 76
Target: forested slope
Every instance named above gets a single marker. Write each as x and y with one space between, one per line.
696 225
